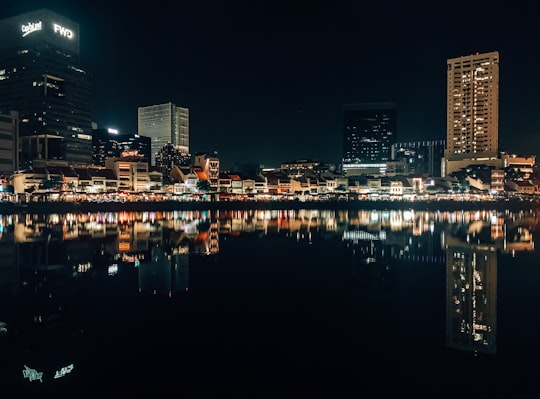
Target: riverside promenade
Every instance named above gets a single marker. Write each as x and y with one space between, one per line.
515 204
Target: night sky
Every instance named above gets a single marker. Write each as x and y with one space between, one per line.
265 81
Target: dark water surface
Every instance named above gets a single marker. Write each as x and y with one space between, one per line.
281 303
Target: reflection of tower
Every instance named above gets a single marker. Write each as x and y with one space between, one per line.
206 241
9 271
155 276
165 273
367 261
180 272
471 299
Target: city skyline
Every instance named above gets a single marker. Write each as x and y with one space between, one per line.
267 84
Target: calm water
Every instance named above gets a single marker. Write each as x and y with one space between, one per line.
285 303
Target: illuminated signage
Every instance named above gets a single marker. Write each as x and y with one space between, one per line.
30 27
60 30
130 153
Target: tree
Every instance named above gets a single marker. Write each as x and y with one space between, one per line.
9 188
71 185
204 186
51 184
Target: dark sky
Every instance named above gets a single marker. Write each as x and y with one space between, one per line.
265 81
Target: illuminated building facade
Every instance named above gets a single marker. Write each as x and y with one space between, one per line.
107 143
41 78
169 156
9 135
420 157
164 124
369 130
210 166
472 126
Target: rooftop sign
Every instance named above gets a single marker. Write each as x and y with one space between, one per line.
30 27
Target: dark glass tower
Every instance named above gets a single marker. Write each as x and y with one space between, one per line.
369 130
107 144
41 78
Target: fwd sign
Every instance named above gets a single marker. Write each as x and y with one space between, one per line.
60 30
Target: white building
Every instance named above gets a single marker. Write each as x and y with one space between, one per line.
164 124
472 125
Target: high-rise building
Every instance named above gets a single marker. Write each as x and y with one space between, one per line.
165 124
369 130
42 79
472 125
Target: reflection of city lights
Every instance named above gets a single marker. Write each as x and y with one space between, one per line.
113 269
84 267
408 215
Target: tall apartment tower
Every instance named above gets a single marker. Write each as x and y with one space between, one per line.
41 78
164 124
472 126
369 131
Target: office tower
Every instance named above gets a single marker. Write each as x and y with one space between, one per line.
369 130
108 143
164 124
9 135
472 126
41 78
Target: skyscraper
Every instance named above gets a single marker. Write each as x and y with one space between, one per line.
164 124
41 78
369 130
472 126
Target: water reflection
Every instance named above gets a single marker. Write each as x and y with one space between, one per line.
53 268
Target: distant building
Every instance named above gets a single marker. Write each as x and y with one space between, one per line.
164 124
41 77
420 157
210 166
107 143
169 156
472 127
369 130
132 173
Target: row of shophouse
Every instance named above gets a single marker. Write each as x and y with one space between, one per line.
300 178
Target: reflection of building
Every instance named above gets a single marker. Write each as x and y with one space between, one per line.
471 284
368 263
165 274
206 241
8 266
471 300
